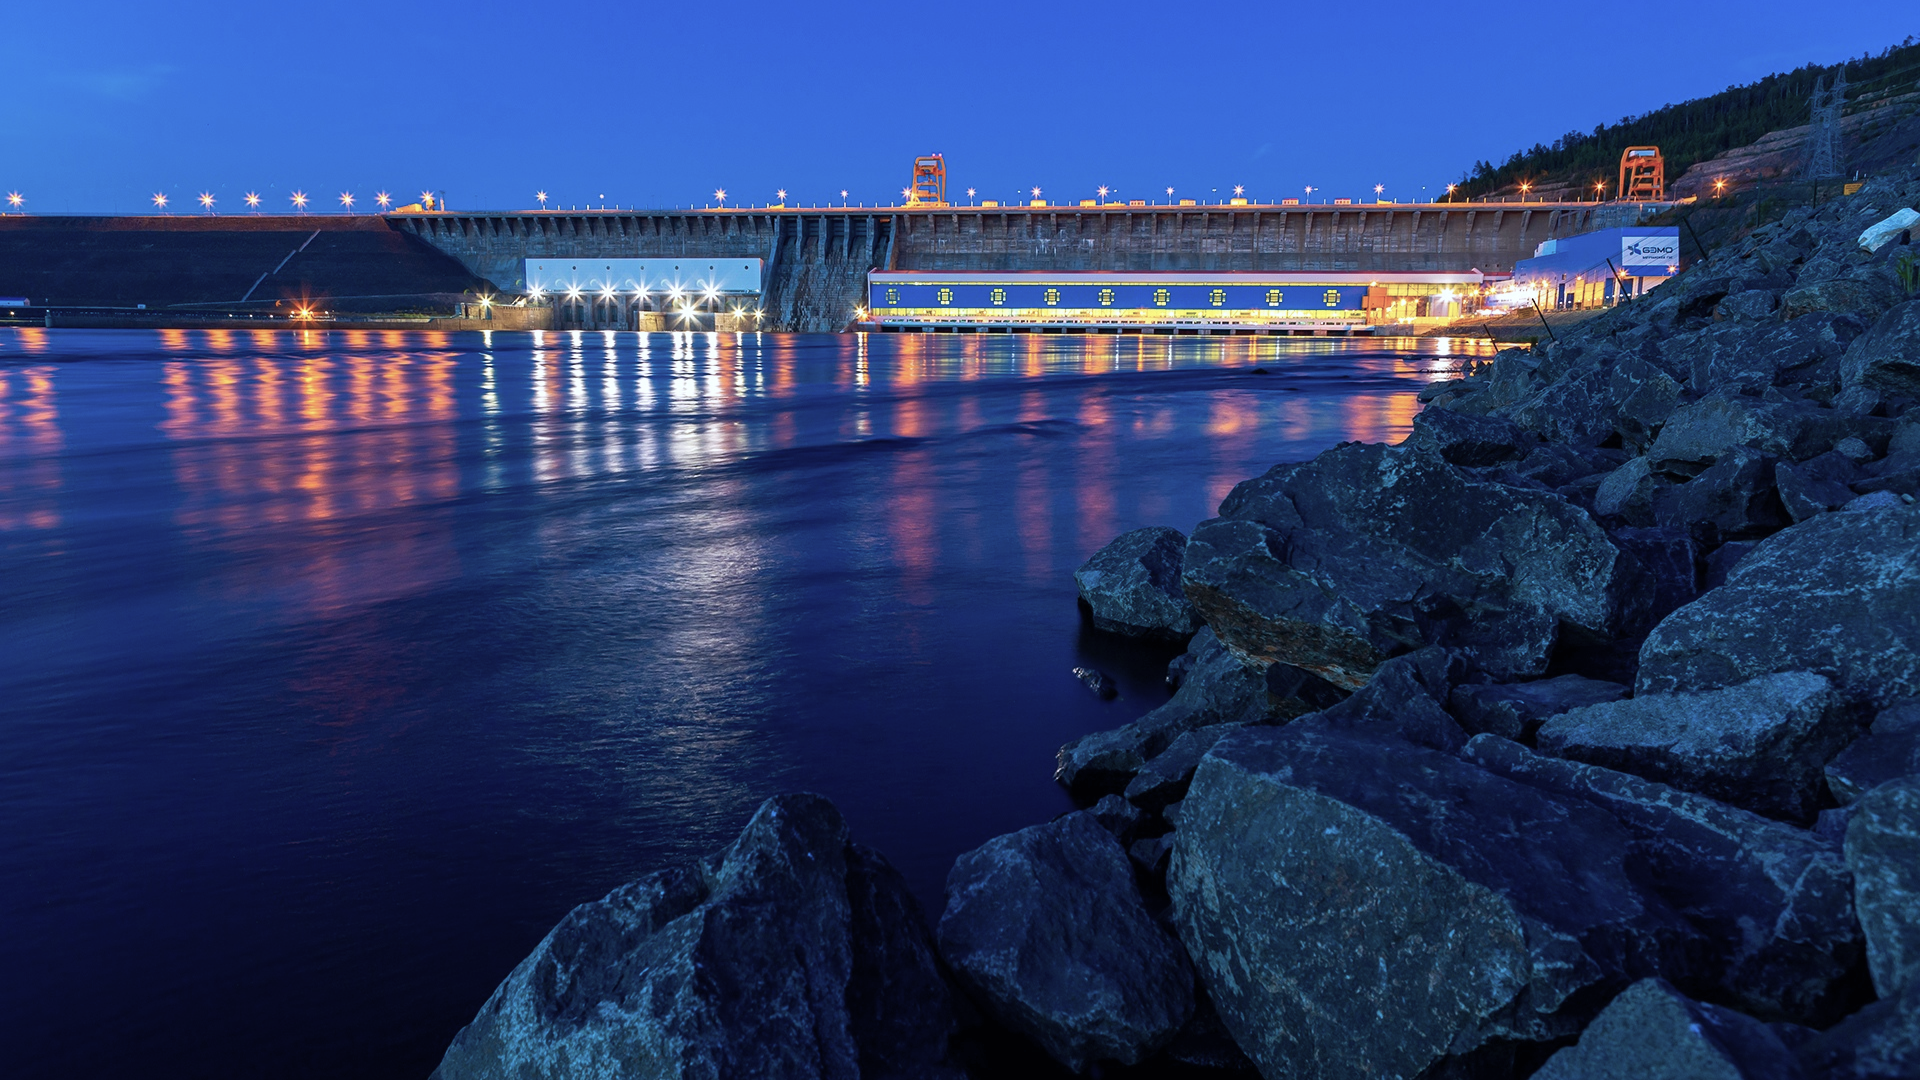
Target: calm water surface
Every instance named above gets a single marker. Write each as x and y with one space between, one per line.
334 668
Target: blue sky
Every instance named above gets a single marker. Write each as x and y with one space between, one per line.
658 105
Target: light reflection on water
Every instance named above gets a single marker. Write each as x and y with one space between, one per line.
339 665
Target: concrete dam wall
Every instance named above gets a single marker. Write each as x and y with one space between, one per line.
816 260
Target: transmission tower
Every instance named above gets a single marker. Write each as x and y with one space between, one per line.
1823 133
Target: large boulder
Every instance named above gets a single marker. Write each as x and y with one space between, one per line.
794 953
1761 744
1654 1032
1774 902
1132 585
1883 850
1336 564
1838 595
1048 931
1700 434
1363 907
1219 687
1887 357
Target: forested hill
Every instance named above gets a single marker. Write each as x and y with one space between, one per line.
1692 131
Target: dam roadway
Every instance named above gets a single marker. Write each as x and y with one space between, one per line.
816 259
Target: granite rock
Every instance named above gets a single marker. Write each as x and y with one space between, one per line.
1654 1032
1132 586
1837 595
1428 904
1883 851
794 953
1762 744
1337 564
1774 903
1046 929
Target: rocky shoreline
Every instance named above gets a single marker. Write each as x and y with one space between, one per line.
1577 735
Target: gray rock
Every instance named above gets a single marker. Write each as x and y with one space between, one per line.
1646 396
1761 744
1883 851
1880 1042
1406 699
1336 564
1748 304
1733 499
1470 441
793 954
1774 903
1097 681
1117 816
1887 357
1815 486
1842 296
1150 853
1427 904
1835 595
1854 450
1889 750
1627 493
1047 930
1516 710
1700 434
1654 1032
1220 688
1165 776
1132 585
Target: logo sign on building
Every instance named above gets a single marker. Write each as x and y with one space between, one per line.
1650 254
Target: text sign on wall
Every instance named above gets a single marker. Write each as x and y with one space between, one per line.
1651 252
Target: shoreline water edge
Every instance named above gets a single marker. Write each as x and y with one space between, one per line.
1576 735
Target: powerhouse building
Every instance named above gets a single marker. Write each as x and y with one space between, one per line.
1163 303
1596 269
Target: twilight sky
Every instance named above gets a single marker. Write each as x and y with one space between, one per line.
657 105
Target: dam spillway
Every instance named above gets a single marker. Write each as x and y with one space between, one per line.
817 260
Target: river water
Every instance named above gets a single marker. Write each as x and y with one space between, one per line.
335 667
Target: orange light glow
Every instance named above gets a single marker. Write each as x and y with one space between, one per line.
300 200
159 201
253 200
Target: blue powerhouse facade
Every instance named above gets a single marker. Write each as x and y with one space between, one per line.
1324 301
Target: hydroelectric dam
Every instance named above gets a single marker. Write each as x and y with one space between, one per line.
810 269
816 261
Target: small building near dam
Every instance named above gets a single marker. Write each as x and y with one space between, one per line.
1162 303
1596 269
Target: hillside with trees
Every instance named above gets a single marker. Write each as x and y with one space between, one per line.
1692 131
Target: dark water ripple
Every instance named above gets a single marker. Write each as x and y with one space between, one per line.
334 668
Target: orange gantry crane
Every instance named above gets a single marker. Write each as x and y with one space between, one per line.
929 181
1643 175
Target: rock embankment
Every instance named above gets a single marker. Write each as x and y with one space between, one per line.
1577 735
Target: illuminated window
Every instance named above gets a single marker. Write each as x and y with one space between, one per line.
1106 297
1160 297
1273 297
1052 297
1217 297
1332 298
945 296
998 296
893 296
